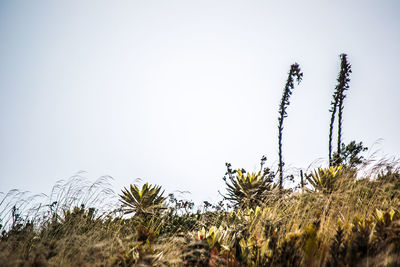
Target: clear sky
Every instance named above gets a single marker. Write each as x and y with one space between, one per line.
169 91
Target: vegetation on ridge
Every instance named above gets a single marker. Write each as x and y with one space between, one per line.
342 217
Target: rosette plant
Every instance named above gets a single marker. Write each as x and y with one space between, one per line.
248 189
332 179
143 202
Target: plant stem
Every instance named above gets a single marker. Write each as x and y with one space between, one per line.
294 72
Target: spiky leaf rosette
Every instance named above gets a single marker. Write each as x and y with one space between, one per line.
145 201
332 179
249 190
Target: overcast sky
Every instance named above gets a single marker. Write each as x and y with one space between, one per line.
169 91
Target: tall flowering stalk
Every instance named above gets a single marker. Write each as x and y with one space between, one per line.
294 72
337 104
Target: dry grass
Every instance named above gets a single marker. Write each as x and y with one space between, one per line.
290 228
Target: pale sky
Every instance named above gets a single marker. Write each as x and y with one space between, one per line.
168 91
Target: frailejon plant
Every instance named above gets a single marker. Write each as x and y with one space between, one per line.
237 240
248 189
326 180
360 240
337 104
143 202
387 231
294 72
